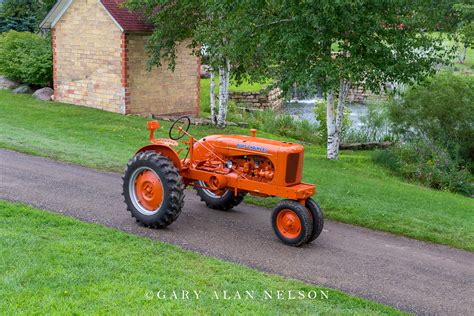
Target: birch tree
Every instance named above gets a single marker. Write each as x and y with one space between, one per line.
224 79
464 32
213 97
219 117
316 43
332 45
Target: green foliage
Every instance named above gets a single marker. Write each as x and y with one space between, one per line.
26 57
376 125
309 42
283 125
427 164
465 23
442 111
320 111
23 15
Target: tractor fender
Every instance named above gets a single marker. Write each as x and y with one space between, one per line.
166 151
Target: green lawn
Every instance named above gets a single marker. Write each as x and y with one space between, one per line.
353 190
52 264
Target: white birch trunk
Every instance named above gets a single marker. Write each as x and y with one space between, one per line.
335 119
463 56
224 78
213 97
332 150
458 49
222 99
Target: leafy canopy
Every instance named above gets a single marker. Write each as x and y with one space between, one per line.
23 15
308 42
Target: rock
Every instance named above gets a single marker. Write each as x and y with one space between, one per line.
44 94
6 83
205 71
23 89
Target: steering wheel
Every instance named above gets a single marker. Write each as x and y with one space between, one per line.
185 121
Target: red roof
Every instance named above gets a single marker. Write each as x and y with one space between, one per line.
128 20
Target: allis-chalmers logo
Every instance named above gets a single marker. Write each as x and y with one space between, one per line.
252 147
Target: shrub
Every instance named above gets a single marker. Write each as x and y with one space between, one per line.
428 164
442 111
283 125
26 57
376 126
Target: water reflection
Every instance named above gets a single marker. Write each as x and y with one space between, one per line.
304 110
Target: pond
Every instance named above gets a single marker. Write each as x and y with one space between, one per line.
304 110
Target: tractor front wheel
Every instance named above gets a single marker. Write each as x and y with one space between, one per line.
317 217
292 223
222 200
153 189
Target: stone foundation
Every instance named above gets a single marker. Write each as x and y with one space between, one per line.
252 101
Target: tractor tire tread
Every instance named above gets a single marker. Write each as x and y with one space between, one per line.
225 204
305 218
173 181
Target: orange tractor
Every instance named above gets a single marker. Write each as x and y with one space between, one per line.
222 169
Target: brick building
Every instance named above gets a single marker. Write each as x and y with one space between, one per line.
100 61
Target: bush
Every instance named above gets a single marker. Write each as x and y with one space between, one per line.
442 111
26 57
376 125
283 125
428 164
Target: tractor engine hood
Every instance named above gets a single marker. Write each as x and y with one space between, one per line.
238 145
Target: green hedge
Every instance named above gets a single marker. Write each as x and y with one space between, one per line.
26 57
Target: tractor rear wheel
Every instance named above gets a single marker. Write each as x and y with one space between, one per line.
292 223
222 200
153 189
317 217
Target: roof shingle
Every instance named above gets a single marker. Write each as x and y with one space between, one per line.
128 20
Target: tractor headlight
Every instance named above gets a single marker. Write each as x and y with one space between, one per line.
228 164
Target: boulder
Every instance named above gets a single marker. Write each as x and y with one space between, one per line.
6 83
23 89
44 94
205 71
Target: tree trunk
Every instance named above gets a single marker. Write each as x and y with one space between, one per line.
332 151
458 49
226 91
224 78
213 97
222 99
335 119
463 56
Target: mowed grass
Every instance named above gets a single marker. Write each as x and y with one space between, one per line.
353 190
52 264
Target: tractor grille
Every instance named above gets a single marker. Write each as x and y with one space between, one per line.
292 167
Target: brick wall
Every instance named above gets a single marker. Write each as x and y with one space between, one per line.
161 91
87 53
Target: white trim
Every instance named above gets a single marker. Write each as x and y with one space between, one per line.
53 17
61 13
115 21
53 14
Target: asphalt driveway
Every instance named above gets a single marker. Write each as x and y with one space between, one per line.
407 274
